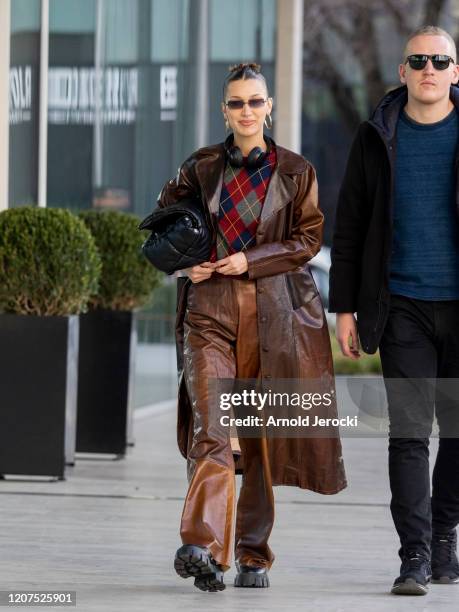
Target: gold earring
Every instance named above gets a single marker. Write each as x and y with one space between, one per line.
270 122
227 126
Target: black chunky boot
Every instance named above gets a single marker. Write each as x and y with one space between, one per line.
196 562
250 576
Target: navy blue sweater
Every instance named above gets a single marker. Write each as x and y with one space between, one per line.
425 254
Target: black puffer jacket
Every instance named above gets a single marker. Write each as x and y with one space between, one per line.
359 275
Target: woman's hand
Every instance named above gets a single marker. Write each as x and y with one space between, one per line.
200 272
233 264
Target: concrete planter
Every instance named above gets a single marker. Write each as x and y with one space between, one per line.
105 381
38 392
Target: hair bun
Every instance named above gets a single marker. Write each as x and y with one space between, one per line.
252 65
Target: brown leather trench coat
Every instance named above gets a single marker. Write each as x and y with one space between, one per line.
293 333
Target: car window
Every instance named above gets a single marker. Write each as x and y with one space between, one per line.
321 280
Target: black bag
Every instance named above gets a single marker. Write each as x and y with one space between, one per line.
180 236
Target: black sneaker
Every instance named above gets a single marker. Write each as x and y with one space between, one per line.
196 562
415 574
251 576
445 566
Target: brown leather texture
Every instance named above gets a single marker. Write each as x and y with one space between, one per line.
292 329
221 342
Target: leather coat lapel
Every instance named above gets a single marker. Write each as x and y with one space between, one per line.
209 171
281 189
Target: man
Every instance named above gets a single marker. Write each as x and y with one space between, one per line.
395 263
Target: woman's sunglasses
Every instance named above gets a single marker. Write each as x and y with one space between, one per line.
239 104
439 62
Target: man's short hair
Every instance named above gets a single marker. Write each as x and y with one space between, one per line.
429 30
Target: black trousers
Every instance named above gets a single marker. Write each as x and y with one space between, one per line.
420 361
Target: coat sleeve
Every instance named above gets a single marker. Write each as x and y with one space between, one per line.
184 185
346 252
305 237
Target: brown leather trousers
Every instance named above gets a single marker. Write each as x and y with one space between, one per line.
221 342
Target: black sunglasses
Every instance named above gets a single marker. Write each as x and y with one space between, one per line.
239 104
419 61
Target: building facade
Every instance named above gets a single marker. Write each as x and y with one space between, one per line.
107 97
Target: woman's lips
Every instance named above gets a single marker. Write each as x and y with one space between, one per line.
246 122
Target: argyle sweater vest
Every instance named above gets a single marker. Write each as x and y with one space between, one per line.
241 202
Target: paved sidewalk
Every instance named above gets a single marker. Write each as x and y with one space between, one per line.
109 532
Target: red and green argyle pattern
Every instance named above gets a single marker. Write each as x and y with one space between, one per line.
241 201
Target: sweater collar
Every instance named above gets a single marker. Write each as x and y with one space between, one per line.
386 113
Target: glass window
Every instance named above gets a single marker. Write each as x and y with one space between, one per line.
268 30
23 102
239 31
121 31
25 16
233 30
71 96
68 16
112 111
169 30
242 31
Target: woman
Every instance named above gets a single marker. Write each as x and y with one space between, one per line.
251 312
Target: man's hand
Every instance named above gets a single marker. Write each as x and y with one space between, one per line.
346 328
233 264
200 272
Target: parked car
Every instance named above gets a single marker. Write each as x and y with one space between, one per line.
320 269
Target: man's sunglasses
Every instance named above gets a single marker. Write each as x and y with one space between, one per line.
419 61
239 104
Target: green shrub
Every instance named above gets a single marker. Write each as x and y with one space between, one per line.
127 278
49 264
